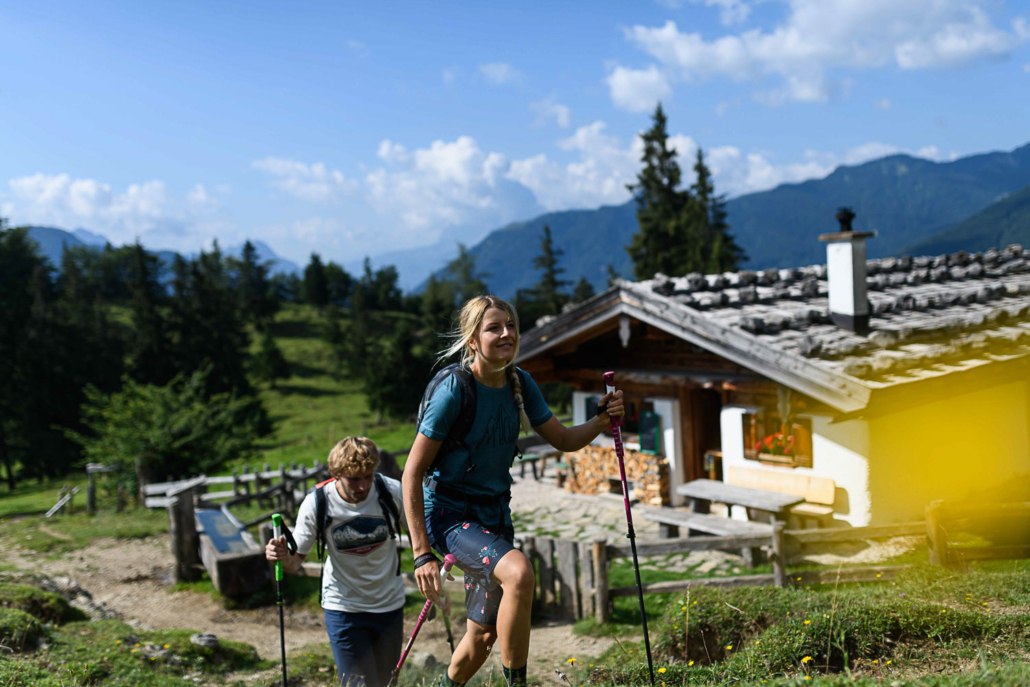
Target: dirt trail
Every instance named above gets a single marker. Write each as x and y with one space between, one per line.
132 578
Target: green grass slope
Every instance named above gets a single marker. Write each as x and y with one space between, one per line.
996 226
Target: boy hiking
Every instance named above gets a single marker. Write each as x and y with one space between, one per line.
355 517
457 483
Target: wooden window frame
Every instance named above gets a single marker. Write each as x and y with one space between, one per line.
762 423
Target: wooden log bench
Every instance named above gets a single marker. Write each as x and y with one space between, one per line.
819 492
670 520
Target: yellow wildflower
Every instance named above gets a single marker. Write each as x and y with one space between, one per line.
690 664
808 622
166 646
728 647
875 661
661 670
571 660
806 659
879 575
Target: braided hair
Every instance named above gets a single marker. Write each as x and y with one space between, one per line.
470 317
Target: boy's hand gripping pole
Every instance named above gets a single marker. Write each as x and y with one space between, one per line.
609 383
279 530
448 562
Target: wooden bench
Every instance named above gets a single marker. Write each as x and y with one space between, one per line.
536 454
672 519
819 492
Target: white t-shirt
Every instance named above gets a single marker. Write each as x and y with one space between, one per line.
361 569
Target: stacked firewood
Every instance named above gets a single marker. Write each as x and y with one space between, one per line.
595 470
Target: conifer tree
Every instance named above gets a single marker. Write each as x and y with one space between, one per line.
257 298
269 364
150 350
461 272
437 312
339 283
547 291
316 289
584 290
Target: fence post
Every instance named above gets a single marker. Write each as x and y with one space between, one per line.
602 612
183 530
529 549
91 492
568 589
778 562
235 482
586 580
936 535
246 482
545 547
119 504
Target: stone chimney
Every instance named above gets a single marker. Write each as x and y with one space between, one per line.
846 272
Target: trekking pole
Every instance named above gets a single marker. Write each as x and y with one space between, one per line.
280 528
448 562
447 604
609 382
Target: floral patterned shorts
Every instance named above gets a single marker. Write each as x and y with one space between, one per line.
478 549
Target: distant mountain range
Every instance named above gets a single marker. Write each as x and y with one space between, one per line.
915 206
52 242
908 201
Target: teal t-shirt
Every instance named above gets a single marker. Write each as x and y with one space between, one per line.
491 441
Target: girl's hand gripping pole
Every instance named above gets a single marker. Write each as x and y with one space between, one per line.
448 563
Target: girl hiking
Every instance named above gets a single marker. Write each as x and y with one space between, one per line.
457 483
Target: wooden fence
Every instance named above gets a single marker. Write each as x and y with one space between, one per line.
996 520
572 576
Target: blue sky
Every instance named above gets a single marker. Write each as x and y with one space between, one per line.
361 128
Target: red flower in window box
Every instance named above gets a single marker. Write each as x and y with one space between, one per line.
776 444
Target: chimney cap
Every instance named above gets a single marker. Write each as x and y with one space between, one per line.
845 215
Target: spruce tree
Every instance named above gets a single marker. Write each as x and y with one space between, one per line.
316 289
461 272
547 291
269 364
150 350
257 298
659 244
437 313
339 283
584 290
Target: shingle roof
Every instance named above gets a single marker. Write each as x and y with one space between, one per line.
929 315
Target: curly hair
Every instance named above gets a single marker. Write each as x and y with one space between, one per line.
353 455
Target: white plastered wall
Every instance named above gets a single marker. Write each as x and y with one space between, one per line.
839 453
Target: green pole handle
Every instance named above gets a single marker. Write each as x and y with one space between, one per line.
277 526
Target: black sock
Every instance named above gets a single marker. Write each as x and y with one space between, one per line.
515 677
448 682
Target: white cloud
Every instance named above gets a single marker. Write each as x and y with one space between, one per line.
732 11
500 73
549 109
358 48
449 75
637 90
819 37
449 184
310 182
1026 67
884 104
145 210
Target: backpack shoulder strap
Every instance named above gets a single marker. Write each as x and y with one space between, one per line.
389 507
467 412
321 523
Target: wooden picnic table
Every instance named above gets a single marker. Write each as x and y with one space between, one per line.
702 492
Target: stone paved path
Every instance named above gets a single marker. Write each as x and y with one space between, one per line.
541 509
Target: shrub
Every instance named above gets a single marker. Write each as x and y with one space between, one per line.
18 629
46 607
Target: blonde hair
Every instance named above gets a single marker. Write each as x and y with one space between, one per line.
353 455
470 318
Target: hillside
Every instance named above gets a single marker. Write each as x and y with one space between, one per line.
997 225
903 198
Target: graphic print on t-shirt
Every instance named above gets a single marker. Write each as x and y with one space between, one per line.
361 535
502 428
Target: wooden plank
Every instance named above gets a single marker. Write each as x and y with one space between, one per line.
987 553
936 535
62 502
778 560
568 552
529 550
665 548
849 534
760 499
586 580
158 501
705 522
602 609
545 547
881 574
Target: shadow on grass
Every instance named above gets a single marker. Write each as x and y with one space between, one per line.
309 391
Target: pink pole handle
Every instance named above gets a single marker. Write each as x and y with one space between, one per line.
609 383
